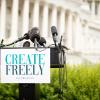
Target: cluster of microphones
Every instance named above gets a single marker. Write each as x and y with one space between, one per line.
34 34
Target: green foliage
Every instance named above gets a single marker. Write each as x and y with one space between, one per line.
8 91
80 82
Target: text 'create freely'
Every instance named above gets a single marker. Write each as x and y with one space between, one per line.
24 64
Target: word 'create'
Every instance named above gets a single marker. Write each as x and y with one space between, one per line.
25 59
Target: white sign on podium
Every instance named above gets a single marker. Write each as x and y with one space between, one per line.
25 65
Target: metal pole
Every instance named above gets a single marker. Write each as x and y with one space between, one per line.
29 92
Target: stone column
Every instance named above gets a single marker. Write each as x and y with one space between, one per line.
54 16
35 13
69 30
86 37
78 34
93 8
3 19
53 19
45 21
25 20
14 20
62 23
99 9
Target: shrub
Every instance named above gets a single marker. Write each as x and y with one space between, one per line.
8 91
77 82
81 82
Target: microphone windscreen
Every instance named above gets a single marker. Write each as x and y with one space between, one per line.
54 30
34 33
26 44
26 36
42 41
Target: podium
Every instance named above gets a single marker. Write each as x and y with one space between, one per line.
30 91
55 61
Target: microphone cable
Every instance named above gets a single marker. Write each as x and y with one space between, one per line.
60 72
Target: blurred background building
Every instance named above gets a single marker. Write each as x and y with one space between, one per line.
78 21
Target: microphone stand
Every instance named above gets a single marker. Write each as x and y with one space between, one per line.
5 45
32 91
62 62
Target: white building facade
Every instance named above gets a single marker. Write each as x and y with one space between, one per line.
78 21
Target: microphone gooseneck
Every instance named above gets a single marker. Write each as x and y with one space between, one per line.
34 33
26 36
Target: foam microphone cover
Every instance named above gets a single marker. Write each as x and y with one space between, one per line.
26 35
42 41
34 33
26 44
54 30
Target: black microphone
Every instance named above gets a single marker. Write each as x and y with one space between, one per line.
26 36
42 41
55 35
34 33
26 44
